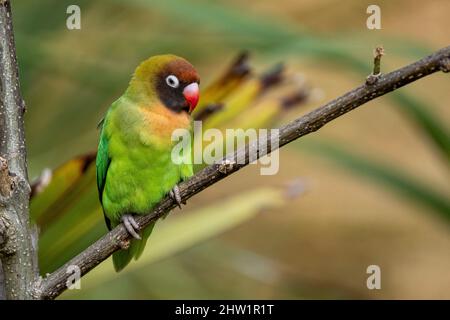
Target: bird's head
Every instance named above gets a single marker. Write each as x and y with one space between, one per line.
171 79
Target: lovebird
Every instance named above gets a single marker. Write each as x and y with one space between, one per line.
135 165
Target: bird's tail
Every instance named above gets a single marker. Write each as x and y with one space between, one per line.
122 258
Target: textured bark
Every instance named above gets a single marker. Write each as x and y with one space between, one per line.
55 283
17 253
2 283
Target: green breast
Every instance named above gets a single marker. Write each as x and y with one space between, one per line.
137 181
139 174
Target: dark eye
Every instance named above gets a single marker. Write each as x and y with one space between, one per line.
172 81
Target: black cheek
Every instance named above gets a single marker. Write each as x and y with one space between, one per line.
172 98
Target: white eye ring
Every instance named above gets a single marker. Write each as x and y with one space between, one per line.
172 81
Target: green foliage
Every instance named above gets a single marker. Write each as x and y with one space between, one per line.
187 229
422 116
387 175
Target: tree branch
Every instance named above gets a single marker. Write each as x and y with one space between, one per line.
55 283
18 257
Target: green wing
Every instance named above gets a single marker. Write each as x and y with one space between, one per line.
102 163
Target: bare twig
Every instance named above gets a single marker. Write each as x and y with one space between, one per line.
378 52
55 283
18 257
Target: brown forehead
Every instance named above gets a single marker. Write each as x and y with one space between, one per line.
183 70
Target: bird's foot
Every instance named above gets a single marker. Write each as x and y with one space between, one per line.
131 225
175 195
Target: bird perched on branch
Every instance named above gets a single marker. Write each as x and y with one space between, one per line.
135 169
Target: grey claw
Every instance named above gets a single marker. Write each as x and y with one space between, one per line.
175 195
131 224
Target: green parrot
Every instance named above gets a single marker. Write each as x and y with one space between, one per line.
135 165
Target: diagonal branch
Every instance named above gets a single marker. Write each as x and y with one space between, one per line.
55 283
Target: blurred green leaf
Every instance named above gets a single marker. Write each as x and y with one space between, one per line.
390 177
51 201
70 222
187 229
431 125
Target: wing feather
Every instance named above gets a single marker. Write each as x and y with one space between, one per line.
102 164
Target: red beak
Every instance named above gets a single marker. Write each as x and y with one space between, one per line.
191 93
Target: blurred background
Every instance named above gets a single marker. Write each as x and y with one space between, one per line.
371 188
